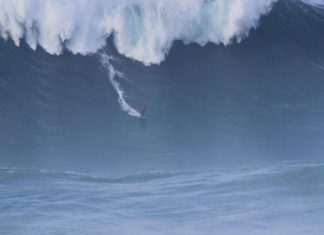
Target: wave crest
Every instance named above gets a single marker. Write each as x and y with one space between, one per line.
142 30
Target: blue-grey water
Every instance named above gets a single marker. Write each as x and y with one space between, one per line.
283 199
232 143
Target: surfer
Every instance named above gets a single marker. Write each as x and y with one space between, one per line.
142 112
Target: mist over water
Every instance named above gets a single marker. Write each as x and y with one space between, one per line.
233 136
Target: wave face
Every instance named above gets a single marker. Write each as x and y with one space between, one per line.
255 100
142 30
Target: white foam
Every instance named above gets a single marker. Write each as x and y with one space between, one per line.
142 29
112 73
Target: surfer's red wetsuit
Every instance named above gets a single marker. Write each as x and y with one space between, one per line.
142 111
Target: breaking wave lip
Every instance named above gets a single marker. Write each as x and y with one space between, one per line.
143 30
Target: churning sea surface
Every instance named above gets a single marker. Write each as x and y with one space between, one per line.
282 199
233 136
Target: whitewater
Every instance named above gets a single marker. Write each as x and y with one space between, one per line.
141 30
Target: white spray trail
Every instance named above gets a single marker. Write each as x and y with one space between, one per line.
112 73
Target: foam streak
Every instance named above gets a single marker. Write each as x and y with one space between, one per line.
112 73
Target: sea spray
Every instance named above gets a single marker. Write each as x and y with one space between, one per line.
143 30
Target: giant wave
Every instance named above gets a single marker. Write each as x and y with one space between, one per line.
141 30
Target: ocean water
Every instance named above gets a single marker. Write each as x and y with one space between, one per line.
283 199
233 136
